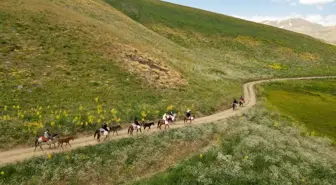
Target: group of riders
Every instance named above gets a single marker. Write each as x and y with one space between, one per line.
167 117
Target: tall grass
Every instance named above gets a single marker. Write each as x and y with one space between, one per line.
262 147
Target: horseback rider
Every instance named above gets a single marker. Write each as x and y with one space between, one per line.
242 99
105 126
47 134
171 113
188 114
136 121
235 101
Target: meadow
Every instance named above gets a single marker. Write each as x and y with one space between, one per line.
137 58
311 103
261 147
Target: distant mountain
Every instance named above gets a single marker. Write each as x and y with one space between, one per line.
327 33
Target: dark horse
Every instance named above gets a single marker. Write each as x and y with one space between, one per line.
145 125
191 118
234 106
115 129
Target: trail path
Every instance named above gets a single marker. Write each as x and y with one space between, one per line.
21 154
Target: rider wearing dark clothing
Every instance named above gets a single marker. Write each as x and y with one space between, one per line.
188 114
235 101
136 121
105 126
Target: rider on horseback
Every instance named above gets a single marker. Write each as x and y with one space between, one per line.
171 113
136 121
105 126
188 114
47 134
235 101
242 99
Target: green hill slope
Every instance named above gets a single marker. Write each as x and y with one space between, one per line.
232 44
59 57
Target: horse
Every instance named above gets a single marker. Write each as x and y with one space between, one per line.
241 103
162 122
133 127
39 141
234 106
115 129
100 131
186 119
145 125
65 140
171 118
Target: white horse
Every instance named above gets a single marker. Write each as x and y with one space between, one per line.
169 118
39 141
102 131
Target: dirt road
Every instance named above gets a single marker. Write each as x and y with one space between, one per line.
21 154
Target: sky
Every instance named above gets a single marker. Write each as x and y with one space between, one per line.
317 11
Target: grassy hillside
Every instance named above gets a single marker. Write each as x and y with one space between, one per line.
58 57
312 103
72 64
261 147
240 48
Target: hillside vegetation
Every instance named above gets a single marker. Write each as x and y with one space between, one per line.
72 64
262 147
312 103
236 47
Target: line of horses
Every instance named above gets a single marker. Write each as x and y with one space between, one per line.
166 120
137 127
54 138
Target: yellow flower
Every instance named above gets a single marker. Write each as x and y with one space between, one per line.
5 108
276 124
80 108
312 133
57 116
246 157
97 99
170 107
52 123
49 156
143 114
201 156
67 157
2 173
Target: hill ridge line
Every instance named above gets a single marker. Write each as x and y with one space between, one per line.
21 154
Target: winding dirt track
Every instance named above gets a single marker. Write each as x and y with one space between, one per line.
21 154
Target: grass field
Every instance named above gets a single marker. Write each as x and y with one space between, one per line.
59 57
312 103
262 147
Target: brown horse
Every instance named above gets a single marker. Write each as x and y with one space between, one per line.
241 103
66 140
162 122
186 119
133 127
